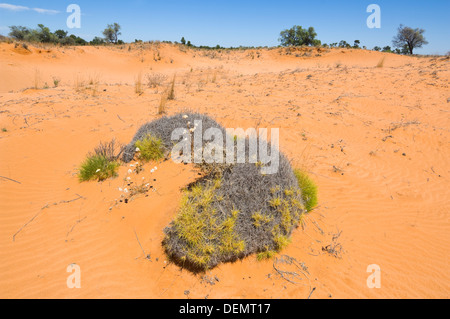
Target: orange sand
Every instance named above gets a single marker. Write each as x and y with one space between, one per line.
375 139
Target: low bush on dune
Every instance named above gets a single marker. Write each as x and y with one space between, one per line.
102 164
150 148
98 167
233 210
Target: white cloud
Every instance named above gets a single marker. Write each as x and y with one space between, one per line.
13 7
45 11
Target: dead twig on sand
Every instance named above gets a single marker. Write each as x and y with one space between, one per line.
76 223
120 118
139 242
335 248
312 290
288 260
10 179
44 207
290 275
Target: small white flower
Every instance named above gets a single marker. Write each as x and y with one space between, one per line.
152 171
137 149
98 170
128 178
131 165
143 178
130 171
185 116
188 123
156 168
120 189
125 190
147 185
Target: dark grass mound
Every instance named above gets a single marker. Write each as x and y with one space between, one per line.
233 211
229 217
163 127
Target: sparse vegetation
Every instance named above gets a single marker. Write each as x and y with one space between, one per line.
138 89
102 164
162 104
171 91
150 148
409 38
37 79
97 167
297 36
309 189
56 82
155 79
218 222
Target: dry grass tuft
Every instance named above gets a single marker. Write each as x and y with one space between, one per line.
381 63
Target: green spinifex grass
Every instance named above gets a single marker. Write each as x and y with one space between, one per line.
150 148
98 167
309 189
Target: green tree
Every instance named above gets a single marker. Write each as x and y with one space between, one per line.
409 37
356 44
18 32
183 41
344 44
97 41
297 36
112 32
61 34
45 35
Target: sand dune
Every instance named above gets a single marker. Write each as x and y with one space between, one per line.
375 139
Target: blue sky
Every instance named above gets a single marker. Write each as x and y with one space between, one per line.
234 23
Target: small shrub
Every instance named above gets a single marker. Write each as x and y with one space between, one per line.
233 211
171 92
109 150
208 235
98 167
56 82
309 189
102 163
155 79
162 105
138 84
265 255
150 148
37 79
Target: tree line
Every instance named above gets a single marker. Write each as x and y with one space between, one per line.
42 34
406 40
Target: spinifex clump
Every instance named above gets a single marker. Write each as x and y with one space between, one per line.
233 211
